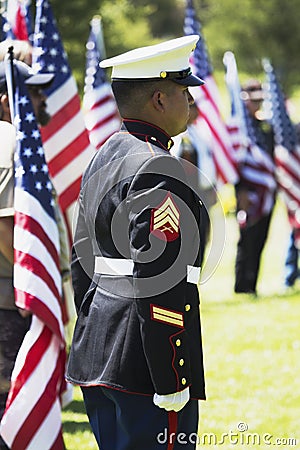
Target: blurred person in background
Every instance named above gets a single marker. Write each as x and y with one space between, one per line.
255 200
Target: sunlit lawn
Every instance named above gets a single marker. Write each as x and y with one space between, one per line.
252 357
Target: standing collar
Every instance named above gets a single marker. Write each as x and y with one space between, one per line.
148 133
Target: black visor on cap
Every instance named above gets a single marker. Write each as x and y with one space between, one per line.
190 80
184 77
43 80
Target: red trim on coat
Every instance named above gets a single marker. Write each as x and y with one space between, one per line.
174 357
108 386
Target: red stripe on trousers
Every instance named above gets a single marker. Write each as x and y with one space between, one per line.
172 431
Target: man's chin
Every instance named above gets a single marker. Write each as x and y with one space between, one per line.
181 131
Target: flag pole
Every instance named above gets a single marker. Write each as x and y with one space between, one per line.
10 80
96 26
234 88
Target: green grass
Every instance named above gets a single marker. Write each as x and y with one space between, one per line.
252 356
77 432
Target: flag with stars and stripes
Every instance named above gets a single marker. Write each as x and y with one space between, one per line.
256 167
16 15
99 107
287 150
207 100
32 419
66 141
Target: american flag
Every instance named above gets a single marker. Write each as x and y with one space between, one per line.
256 167
66 141
99 107
17 12
207 100
32 419
287 150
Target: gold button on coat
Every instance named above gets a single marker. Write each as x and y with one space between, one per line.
178 342
181 362
187 307
183 381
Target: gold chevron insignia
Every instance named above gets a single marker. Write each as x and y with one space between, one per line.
166 217
167 316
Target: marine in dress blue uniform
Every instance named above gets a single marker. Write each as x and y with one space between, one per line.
136 350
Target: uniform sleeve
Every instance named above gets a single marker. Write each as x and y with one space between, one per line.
164 238
82 261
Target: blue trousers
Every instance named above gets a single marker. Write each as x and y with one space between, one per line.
291 263
122 421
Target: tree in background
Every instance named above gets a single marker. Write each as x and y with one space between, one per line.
251 29
254 30
125 23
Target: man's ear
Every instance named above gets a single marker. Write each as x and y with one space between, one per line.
157 100
5 106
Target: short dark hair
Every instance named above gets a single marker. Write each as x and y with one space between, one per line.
134 94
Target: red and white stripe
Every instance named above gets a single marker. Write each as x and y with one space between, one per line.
255 167
66 142
288 176
16 18
207 100
100 114
32 418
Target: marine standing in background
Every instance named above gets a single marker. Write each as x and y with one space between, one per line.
255 201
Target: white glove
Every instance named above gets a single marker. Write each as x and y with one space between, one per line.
172 402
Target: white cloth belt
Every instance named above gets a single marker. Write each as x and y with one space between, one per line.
118 266
193 274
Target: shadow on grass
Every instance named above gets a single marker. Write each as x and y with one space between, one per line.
76 406
72 427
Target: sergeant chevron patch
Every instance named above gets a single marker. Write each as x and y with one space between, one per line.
165 220
167 316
